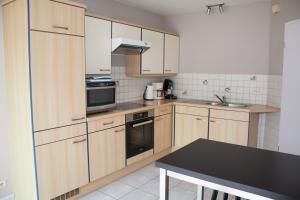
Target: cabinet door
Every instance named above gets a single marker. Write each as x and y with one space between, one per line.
58 80
125 31
153 58
62 167
189 128
53 16
171 54
162 133
106 152
229 131
97 46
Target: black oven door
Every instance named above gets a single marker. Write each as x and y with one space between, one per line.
100 97
139 136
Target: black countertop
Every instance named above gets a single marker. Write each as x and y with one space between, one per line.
270 174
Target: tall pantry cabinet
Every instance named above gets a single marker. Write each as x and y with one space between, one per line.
45 71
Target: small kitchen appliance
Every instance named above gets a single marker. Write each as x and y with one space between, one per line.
168 89
148 94
158 92
100 95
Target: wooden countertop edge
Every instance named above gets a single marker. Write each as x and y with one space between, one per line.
130 24
250 109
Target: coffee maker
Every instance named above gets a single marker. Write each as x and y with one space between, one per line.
168 89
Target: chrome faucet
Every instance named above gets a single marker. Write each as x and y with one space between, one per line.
222 100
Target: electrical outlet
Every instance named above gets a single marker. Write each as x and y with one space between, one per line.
2 184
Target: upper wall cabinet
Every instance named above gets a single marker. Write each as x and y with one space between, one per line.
171 54
98 46
153 58
53 16
125 31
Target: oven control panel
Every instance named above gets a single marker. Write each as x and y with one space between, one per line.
139 116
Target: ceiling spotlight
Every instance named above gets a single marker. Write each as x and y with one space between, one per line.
220 6
208 10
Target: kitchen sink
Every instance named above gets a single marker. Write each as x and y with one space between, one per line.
235 105
214 103
231 105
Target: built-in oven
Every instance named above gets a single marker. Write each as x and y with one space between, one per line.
139 133
100 96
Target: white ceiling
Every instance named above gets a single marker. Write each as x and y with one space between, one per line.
174 7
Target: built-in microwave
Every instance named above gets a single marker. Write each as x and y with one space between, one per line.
100 96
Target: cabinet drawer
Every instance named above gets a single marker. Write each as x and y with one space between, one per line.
53 16
191 110
62 166
102 124
163 110
53 135
227 114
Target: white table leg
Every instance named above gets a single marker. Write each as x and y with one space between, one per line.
163 185
200 192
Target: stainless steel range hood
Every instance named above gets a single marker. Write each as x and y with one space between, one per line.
129 46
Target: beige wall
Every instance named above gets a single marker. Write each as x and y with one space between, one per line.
114 9
290 10
234 42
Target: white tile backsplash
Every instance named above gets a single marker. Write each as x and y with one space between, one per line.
252 89
271 136
240 88
130 88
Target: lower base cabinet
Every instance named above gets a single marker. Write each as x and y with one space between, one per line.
62 167
162 132
229 131
106 152
189 128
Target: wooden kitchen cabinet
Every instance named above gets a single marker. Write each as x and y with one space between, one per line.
162 132
229 131
97 46
58 80
189 128
171 54
153 58
125 31
59 17
62 167
106 152
230 126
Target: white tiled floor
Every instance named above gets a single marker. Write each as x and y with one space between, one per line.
144 185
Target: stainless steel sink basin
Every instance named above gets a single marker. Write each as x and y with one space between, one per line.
235 105
214 103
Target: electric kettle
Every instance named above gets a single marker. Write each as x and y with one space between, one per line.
148 94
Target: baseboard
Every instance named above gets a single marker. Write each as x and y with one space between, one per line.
9 197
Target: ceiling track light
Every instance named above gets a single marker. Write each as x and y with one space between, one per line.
220 6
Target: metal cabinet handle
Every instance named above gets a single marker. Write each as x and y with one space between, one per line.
61 27
146 70
168 70
199 119
142 123
121 130
108 123
76 119
104 70
212 121
79 141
